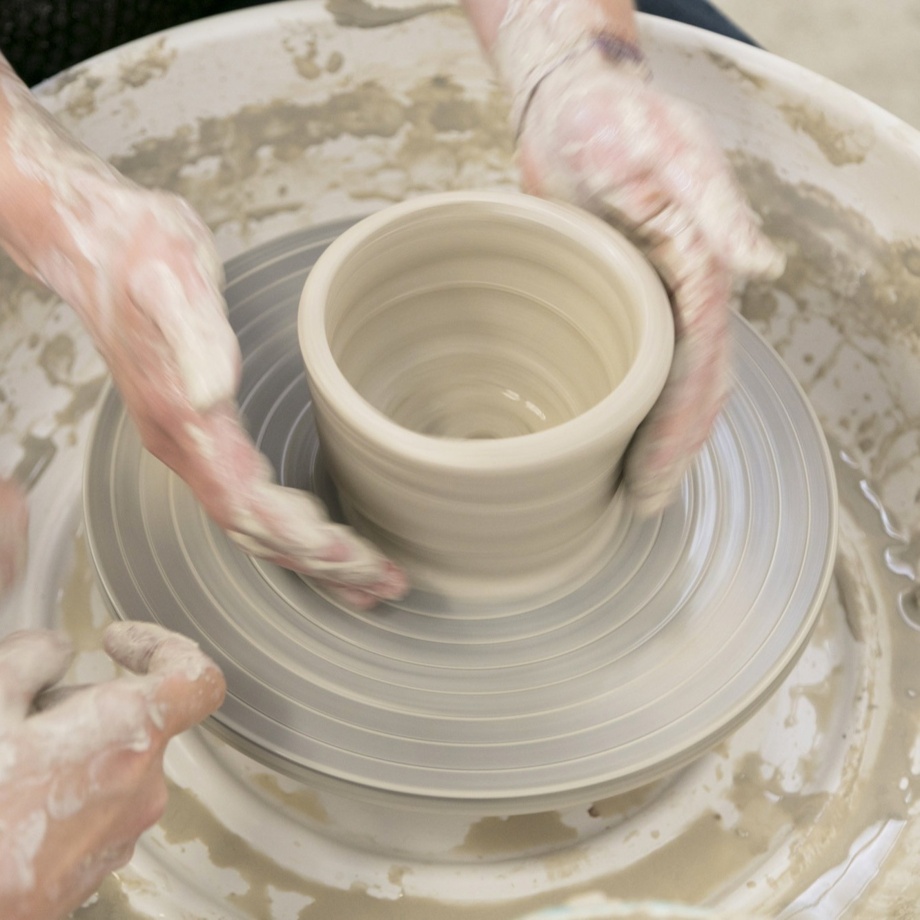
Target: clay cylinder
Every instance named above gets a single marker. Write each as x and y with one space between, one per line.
478 363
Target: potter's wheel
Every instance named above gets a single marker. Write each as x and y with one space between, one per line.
687 626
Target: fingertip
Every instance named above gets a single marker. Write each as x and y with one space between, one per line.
182 705
388 583
394 584
353 562
186 701
756 256
132 644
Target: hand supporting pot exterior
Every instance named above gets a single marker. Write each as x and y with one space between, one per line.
593 130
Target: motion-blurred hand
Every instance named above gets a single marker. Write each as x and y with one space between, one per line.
82 779
593 130
141 270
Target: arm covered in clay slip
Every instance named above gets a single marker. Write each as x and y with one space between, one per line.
82 779
592 129
140 269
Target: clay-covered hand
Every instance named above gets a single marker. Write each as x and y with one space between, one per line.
141 270
82 779
593 129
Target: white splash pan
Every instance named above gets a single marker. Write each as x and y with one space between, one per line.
282 117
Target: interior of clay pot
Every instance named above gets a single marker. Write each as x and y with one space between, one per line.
467 324
480 316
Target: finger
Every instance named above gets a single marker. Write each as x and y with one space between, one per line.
629 153
291 528
181 680
682 418
14 533
748 253
30 660
699 287
730 228
722 215
288 527
110 858
694 175
214 454
391 586
669 439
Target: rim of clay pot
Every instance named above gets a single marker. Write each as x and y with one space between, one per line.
632 397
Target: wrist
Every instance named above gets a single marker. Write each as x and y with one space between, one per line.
538 37
45 176
602 48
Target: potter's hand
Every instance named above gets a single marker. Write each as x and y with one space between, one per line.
81 780
14 536
140 269
593 130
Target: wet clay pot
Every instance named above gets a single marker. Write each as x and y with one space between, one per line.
479 362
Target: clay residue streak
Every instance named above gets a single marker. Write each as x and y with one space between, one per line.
840 144
732 67
362 15
266 152
515 834
154 62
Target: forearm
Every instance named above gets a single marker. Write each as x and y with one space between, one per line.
45 177
141 270
617 16
22 223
